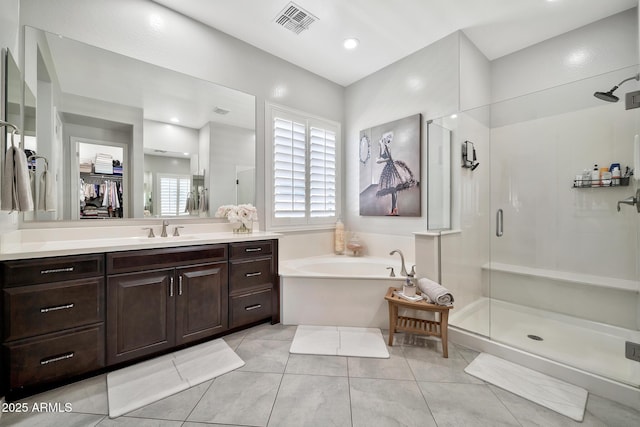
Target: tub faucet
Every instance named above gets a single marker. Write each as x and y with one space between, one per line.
164 228
403 270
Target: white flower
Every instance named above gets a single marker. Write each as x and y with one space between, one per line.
244 214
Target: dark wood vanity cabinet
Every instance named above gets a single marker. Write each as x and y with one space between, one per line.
53 318
71 315
160 298
253 290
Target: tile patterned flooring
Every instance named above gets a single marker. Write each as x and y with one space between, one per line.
414 387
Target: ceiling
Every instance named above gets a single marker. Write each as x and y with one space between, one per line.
390 30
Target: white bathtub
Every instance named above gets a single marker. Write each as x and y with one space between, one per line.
337 290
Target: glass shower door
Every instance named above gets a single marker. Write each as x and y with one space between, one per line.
563 268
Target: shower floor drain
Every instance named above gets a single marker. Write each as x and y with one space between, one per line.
535 337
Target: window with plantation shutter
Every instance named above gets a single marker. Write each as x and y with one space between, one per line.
304 187
322 173
289 169
173 191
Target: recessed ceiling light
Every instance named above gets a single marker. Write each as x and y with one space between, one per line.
454 116
351 43
174 120
186 154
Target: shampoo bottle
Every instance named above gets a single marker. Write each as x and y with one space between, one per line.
595 176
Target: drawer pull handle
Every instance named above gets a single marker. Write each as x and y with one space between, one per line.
253 249
57 270
253 307
57 358
56 308
259 273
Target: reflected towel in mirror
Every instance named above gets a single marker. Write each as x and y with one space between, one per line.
47 197
16 184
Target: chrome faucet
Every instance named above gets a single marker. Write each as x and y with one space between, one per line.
403 270
164 228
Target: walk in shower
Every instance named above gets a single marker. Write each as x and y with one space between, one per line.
545 262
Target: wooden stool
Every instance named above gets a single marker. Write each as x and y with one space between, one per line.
433 328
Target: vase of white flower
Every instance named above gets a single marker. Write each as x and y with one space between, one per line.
240 216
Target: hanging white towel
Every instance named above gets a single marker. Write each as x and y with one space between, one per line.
48 195
204 202
32 183
437 293
16 185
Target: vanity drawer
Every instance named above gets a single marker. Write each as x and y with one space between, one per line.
56 356
47 270
40 309
251 249
150 259
250 274
249 308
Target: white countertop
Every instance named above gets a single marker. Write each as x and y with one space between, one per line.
23 244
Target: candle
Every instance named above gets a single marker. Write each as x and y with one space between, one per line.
339 238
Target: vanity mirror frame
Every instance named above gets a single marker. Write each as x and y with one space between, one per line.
206 155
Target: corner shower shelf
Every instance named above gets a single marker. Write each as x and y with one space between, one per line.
565 276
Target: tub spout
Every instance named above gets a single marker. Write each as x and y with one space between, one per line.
403 269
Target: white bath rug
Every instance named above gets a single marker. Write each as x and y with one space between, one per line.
339 341
557 395
138 385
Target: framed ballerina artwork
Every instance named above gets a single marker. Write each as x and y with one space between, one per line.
390 168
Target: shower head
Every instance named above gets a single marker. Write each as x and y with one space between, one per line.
609 96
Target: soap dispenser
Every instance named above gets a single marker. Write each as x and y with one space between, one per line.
409 289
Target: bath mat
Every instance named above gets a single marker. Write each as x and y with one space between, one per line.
339 341
557 395
138 385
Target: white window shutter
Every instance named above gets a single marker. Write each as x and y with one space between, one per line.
322 178
174 191
289 169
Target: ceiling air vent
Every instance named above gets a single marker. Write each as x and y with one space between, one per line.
220 111
295 18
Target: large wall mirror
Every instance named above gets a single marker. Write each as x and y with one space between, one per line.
121 138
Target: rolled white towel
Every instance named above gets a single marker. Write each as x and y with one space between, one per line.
437 293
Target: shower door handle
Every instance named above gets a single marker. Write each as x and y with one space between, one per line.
499 224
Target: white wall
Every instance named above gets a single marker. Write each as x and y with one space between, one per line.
9 36
169 137
184 45
606 45
425 82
